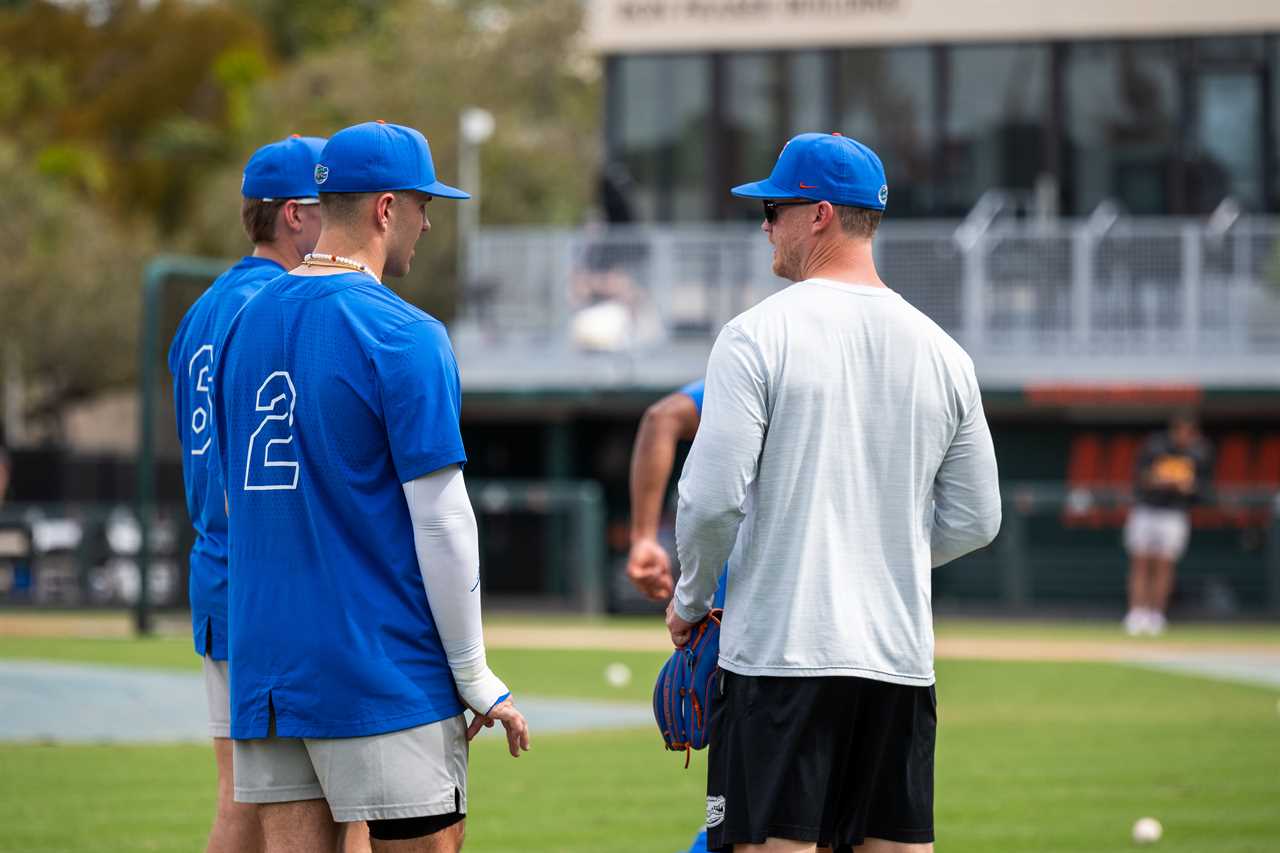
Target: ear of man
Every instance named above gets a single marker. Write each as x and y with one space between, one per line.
382 210
291 216
824 217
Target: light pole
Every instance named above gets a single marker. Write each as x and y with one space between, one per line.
475 125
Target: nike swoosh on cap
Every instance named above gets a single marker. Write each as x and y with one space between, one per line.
804 186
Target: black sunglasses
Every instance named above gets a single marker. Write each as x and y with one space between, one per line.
771 208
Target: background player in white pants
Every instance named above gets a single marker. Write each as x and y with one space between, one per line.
1172 470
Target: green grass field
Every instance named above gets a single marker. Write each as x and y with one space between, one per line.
1031 757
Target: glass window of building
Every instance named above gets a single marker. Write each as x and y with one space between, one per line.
808 92
660 118
1226 155
752 132
1123 103
1231 49
994 137
1274 206
887 101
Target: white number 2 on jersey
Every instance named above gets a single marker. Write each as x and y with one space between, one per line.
270 465
198 369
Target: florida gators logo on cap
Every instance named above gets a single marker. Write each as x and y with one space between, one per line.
322 173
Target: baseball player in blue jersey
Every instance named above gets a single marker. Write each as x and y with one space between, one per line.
354 605
281 217
672 419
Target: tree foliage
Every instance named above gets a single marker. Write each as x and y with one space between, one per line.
69 289
132 107
421 65
124 125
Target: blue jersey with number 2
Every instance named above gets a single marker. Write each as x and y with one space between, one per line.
329 392
191 362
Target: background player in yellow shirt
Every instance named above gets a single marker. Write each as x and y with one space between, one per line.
1172 471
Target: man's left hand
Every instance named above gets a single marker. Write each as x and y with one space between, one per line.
680 630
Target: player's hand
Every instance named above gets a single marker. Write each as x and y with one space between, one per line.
512 720
649 569
680 630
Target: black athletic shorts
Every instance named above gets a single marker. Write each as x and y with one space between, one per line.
833 760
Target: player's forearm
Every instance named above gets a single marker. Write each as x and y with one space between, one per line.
967 512
713 491
651 461
704 540
448 551
966 492
957 532
720 469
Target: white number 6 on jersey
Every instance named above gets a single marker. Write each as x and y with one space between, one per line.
200 414
263 469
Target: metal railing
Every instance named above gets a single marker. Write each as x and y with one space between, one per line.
1102 286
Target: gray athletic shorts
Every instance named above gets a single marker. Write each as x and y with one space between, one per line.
411 773
1156 532
217 692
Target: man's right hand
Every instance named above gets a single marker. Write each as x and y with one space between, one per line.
512 720
649 569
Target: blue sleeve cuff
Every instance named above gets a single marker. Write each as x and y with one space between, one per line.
504 697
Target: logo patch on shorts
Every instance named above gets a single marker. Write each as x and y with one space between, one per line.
322 173
715 811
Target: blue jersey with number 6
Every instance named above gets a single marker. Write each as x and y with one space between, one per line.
329 392
190 362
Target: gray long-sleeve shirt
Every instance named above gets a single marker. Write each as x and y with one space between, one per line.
842 454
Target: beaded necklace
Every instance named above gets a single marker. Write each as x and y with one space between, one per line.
338 261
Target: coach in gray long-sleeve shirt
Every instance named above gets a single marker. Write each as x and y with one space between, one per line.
843 454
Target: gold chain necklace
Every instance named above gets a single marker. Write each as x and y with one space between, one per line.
338 261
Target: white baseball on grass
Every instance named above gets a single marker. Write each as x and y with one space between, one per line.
617 674
1147 830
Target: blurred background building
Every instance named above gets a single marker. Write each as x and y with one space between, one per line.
1087 197
1083 196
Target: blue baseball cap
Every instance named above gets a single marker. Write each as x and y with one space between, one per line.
378 157
284 169
824 167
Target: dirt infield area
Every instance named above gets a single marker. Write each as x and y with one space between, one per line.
63 625
72 624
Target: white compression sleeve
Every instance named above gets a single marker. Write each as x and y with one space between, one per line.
444 534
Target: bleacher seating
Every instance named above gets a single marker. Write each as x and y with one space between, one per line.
1084 479
1265 476
1100 480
